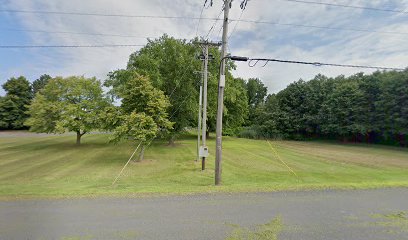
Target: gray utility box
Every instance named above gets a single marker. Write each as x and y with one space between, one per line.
203 151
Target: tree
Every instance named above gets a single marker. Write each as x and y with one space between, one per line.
13 106
68 104
256 92
170 64
40 83
343 109
235 105
142 114
235 97
267 119
292 109
392 106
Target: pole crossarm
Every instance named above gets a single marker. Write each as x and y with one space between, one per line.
208 43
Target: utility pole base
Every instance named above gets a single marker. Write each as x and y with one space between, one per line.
203 164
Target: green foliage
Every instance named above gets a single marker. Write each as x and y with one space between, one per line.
138 126
13 106
394 222
235 105
18 87
393 103
71 104
268 115
371 108
343 109
143 112
268 231
40 83
170 64
257 93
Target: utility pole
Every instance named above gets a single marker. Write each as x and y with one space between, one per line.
203 151
221 86
204 126
200 104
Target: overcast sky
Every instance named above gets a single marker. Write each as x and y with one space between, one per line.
252 40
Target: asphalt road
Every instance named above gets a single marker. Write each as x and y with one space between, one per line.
313 215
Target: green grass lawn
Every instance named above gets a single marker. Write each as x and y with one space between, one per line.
52 166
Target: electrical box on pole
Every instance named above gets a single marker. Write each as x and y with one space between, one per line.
203 150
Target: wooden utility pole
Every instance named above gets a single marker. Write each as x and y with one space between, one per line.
203 151
200 105
221 86
204 125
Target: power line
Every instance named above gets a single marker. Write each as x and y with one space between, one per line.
320 27
243 7
201 14
75 33
252 62
103 14
100 14
215 22
347 6
236 23
203 18
72 46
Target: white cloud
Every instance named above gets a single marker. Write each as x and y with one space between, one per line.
254 40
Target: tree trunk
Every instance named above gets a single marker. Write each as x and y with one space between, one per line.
172 140
79 135
141 154
207 134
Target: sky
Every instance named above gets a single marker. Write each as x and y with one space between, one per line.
384 44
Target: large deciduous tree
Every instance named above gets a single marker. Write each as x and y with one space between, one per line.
71 104
13 106
170 64
143 112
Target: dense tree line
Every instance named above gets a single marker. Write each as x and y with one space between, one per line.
157 95
14 105
363 108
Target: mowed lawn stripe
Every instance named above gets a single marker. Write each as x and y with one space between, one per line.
55 166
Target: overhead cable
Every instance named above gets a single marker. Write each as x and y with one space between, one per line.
320 27
76 33
252 62
72 46
215 22
243 7
206 18
347 6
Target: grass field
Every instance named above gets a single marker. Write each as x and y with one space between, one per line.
52 166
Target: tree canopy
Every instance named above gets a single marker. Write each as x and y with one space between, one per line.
71 104
40 83
143 112
13 106
370 108
170 64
